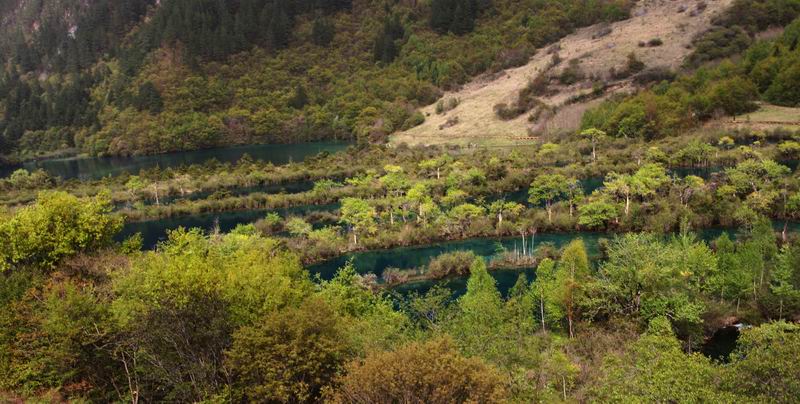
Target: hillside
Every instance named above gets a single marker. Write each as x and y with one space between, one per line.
594 51
154 77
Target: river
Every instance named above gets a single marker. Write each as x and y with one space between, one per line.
88 168
154 231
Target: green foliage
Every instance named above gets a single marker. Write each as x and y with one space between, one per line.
649 371
544 290
198 75
359 215
429 372
59 225
289 356
649 278
763 365
571 276
717 43
548 188
456 263
477 326
596 214
178 307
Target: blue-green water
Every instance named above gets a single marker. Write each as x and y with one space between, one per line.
376 261
154 231
419 256
99 167
505 278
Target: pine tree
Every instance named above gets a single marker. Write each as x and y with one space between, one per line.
322 32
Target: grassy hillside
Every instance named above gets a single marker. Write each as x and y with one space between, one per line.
192 75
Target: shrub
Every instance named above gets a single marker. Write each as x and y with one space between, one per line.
57 226
654 75
422 372
450 264
716 43
572 73
290 355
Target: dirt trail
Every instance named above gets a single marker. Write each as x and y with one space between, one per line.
674 22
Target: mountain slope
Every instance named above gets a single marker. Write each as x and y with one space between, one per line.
593 51
194 74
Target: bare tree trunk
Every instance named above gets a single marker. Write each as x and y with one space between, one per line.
569 320
541 310
783 233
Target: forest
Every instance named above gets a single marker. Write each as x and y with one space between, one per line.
650 255
255 71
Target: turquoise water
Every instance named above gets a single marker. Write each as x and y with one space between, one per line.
377 261
414 257
154 231
99 167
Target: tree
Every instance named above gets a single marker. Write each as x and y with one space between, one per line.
359 215
764 364
148 98
649 369
134 185
597 213
299 98
323 31
289 356
687 186
594 136
501 207
477 325
298 227
462 215
571 275
419 195
436 164
574 194
548 188
645 182
176 308
57 226
620 185
646 277
421 372
544 289
783 278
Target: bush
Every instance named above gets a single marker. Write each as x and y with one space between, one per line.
426 372
455 263
717 43
572 74
289 356
57 226
654 75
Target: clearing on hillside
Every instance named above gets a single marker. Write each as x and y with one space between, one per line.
767 117
574 74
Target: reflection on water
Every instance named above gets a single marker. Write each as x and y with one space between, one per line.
99 167
154 231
